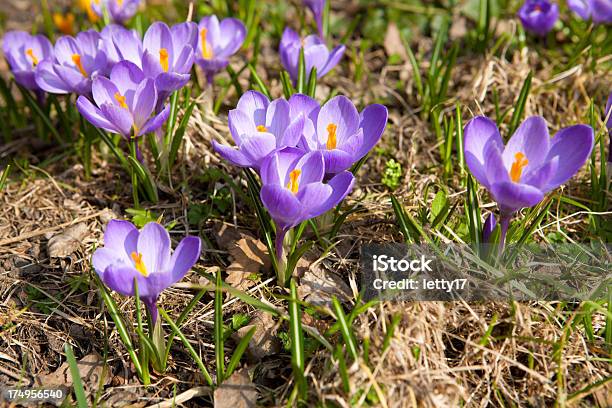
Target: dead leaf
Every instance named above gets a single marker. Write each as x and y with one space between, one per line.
264 341
317 285
91 369
238 391
249 255
393 42
67 242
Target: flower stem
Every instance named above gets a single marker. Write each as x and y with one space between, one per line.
281 258
133 152
504 223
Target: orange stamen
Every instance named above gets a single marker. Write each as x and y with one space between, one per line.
293 184
121 99
262 128
139 264
76 58
331 136
520 161
30 54
207 52
163 59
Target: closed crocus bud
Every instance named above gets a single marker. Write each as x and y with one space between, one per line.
539 16
488 228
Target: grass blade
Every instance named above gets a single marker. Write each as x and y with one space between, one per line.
347 333
262 86
76 377
188 345
219 343
240 349
4 176
177 139
517 114
297 340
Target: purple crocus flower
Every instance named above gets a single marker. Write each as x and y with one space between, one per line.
259 127
24 52
124 102
144 256
217 41
119 11
539 16
338 130
293 190
600 11
317 6
168 55
78 60
530 165
316 54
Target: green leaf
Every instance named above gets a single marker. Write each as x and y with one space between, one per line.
76 377
240 349
219 343
297 340
179 134
347 333
519 105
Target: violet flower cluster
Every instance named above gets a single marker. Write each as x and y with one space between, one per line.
119 11
302 151
599 11
520 173
117 75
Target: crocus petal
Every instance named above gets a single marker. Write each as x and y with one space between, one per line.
488 228
232 35
48 80
254 104
477 133
373 121
184 60
494 168
185 34
275 168
185 256
341 112
120 278
75 81
154 245
158 36
156 121
312 166
277 117
312 196
256 147
170 81
26 79
240 124
150 65
304 104
316 56
337 160
334 58
293 132
513 196
104 91
94 115
540 176
531 139
283 206
126 76
341 184
105 257
144 102
573 146
232 155
121 237
121 118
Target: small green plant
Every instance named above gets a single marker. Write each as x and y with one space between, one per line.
392 175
